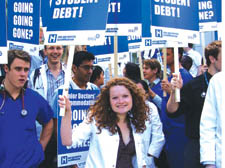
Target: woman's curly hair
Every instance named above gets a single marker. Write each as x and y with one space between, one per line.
103 114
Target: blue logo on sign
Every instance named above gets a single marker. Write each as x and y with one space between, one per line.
97 36
64 160
15 47
148 42
52 38
0 53
158 33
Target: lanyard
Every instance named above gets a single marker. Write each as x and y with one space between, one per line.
206 80
207 83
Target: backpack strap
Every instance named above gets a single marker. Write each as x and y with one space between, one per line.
36 74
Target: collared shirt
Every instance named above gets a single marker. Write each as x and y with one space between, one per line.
53 83
155 82
211 122
103 147
156 87
45 83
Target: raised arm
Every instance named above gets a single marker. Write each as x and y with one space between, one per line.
176 82
66 127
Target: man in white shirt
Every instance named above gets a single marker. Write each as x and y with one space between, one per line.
196 59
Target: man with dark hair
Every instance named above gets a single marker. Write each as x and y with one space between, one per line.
192 98
186 62
196 58
97 76
20 108
170 58
132 71
82 70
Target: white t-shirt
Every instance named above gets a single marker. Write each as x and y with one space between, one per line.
196 58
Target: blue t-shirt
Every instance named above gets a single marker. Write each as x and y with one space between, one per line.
19 145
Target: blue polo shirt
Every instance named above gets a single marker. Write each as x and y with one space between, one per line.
19 146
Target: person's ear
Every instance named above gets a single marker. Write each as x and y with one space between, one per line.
6 68
155 70
212 59
74 68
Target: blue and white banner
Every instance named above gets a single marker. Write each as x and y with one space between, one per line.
80 102
78 22
33 50
23 21
104 55
173 20
149 43
209 14
3 37
134 43
124 18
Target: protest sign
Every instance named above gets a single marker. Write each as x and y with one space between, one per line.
80 102
32 49
173 20
124 18
209 14
23 21
134 43
76 22
147 42
3 39
45 8
104 55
